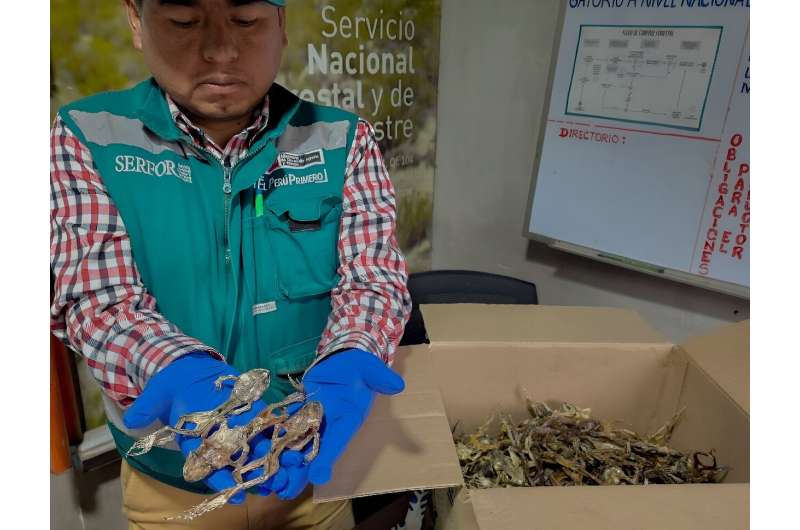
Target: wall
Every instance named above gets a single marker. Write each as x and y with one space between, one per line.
493 79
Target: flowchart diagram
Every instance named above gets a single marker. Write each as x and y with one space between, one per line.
644 74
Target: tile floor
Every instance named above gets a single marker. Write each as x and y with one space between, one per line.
87 501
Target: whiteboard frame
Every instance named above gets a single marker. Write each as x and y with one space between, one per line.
652 269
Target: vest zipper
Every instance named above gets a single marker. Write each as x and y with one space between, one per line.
226 189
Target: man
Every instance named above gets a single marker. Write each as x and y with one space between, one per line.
207 222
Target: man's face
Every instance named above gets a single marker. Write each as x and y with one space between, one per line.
214 58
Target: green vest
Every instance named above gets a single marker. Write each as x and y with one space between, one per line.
242 258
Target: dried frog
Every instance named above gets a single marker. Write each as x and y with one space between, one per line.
566 446
294 433
247 388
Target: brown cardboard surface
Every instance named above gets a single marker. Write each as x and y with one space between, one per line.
661 507
454 510
635 383
484 359
533 323
723 354
712 420
405 443
395 455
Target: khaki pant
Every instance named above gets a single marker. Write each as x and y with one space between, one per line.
146 501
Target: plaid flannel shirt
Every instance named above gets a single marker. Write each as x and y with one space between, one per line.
103 311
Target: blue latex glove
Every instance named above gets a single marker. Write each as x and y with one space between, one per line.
187 385
345 383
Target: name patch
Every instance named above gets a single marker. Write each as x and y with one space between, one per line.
290 179
264 307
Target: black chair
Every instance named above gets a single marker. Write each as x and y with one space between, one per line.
461 287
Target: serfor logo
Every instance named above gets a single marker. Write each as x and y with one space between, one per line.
137 164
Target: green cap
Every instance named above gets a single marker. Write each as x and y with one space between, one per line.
279 3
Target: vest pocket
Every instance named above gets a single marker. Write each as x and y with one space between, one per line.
304 235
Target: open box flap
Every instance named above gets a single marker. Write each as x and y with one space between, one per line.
715 398
724 356
405 444
535 323
657 507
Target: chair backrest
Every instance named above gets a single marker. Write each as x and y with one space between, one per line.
461 287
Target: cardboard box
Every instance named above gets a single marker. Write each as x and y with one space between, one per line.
484 358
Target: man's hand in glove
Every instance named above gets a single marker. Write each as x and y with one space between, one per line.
187 385
345 383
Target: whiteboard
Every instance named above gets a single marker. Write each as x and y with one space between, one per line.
644 157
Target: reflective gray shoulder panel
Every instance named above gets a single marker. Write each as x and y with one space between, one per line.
317 136
104 128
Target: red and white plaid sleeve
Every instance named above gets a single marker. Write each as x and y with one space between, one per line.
100 306
371 304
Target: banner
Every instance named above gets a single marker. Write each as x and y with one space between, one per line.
381 61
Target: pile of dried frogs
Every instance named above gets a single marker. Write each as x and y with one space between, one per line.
567 447
230 446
